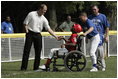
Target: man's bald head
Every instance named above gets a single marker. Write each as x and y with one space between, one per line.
42 9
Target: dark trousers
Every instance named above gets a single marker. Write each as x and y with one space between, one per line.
36 39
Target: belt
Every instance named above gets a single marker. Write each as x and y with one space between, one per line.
31 32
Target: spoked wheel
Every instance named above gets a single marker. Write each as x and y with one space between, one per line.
75 61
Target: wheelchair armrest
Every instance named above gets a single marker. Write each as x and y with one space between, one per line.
56 55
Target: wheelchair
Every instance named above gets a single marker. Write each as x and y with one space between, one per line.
74 61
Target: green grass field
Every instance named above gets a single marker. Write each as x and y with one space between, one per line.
12 70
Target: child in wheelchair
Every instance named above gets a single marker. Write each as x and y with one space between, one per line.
65 48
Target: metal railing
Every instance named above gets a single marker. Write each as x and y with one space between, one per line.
12 46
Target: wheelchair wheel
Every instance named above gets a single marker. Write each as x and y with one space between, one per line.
75 61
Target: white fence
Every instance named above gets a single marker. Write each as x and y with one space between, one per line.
12 48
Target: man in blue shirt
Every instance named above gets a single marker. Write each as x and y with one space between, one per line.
102 26
92 33
6 26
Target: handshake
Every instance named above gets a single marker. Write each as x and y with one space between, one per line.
60 38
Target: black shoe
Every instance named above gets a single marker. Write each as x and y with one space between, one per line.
23 69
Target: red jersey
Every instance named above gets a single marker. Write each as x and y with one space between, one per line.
72 39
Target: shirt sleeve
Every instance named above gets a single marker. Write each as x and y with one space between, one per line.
46 24
12 27
90 24
106 23
2 26
73 39
27 19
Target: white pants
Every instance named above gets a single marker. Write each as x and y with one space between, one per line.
100 53
61 51
94 42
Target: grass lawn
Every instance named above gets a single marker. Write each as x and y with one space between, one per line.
12 70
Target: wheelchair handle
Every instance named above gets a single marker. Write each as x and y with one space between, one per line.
82 36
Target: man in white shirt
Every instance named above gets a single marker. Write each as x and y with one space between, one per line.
34 23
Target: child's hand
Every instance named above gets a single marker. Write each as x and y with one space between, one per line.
84 34
60 37
62 46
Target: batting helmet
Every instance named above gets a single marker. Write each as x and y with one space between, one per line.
77 28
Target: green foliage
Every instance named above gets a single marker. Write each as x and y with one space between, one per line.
66 6
111 4
112 7
16 9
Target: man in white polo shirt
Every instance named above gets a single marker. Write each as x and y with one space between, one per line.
34 23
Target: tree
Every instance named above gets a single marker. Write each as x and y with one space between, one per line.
58 7
112 13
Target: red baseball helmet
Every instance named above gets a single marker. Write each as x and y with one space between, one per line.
77 28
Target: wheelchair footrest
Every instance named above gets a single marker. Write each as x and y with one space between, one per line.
59 65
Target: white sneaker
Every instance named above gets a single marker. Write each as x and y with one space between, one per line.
42 67
94 69
39 70
103 69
